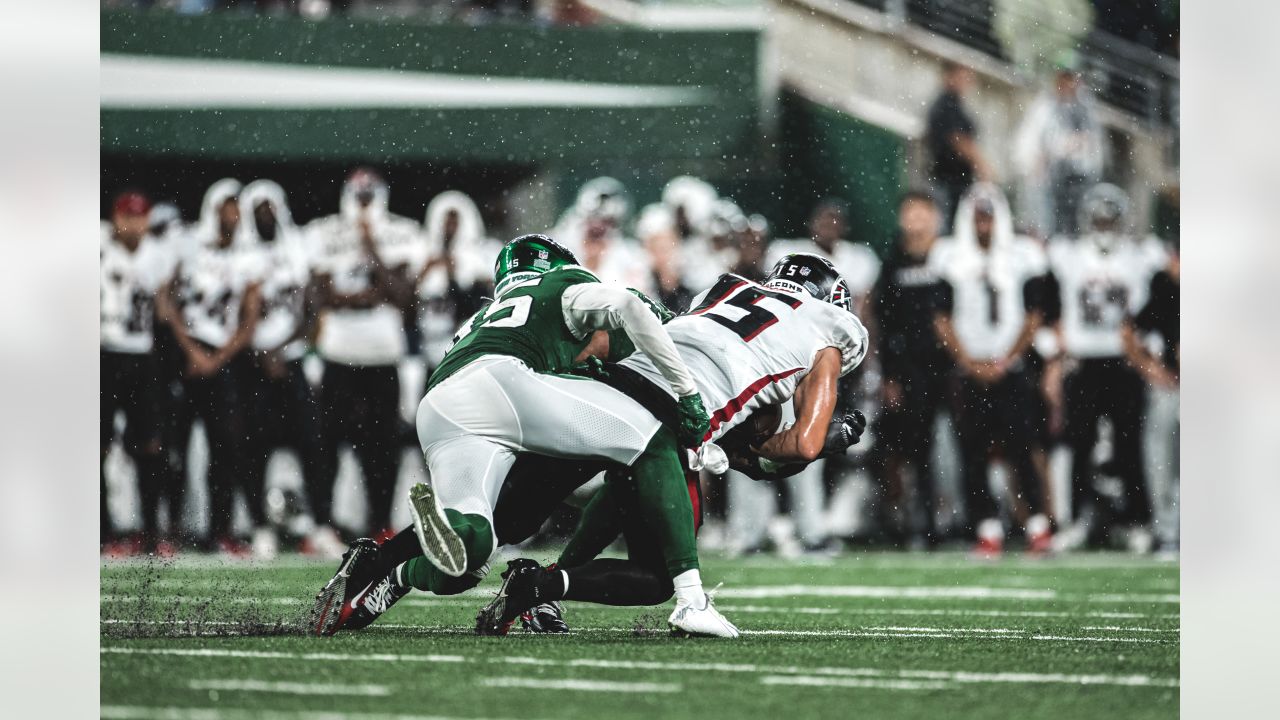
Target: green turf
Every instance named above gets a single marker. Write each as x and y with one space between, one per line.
868 635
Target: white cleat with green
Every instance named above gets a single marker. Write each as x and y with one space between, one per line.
440 542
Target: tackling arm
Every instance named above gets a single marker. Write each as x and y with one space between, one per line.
596 306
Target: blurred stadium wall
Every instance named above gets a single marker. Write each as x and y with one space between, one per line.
777 102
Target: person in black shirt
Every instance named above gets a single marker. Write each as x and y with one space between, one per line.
905 300
1160 317
952 139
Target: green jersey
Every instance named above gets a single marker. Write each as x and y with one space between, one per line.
526 323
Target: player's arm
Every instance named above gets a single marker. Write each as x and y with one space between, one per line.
250 311
815 402
169 310
596 306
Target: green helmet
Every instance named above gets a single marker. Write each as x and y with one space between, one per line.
528 255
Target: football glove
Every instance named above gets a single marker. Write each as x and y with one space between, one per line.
694 422
843 433
593 367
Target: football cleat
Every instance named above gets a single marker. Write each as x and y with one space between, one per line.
545 618
990 539
368 604
440 542
265 545
690 620
332 606
1039 535
519 592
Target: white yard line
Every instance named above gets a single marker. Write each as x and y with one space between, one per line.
140 712
783 609
809 681
290 688
277 655
914 592
604 663
1134 598
1114 628
582 685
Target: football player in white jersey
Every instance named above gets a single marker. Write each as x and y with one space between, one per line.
282 405
993 316
132 265
213 305
1104 276
363 261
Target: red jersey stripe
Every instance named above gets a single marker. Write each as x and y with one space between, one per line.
734 406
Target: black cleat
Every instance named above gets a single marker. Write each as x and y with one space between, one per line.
545 618
355 573
369 604
520 590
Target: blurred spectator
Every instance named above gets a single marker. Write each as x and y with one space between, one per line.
751 244
1105 276
457 274
1059 152
692 203
283 409
906 299
133 265
213 307
1159 318
657 232
362 260
988 325
856 262
951 136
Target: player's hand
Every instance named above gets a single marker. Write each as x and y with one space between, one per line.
593 367
694 421
843 433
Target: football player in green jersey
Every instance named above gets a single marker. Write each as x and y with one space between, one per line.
496 394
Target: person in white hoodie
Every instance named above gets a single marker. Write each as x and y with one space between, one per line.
362 264
213 305
987 326
457 274
283 409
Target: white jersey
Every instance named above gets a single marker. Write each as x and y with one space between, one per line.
127 290
988 300
749 346
373 336
282 266
212 281
1100 289
856 263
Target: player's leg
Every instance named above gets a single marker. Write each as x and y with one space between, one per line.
975 428
143 440
106 433
1013 408
535 487
751 505
374 438
1128 401
574 417
1082 412
335 401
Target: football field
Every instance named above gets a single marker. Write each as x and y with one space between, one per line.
875 635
